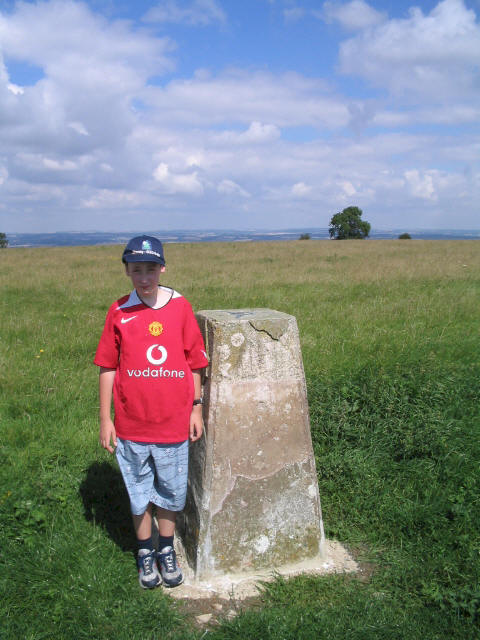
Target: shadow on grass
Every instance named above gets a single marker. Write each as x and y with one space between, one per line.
106 502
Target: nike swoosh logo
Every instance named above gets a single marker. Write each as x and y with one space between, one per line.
125 320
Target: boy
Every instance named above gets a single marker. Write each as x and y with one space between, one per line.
150 355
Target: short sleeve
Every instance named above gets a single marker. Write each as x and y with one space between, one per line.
193 344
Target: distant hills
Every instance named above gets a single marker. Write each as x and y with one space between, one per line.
82 238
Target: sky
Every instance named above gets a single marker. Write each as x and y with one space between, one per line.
120 115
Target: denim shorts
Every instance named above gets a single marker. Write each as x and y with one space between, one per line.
154 473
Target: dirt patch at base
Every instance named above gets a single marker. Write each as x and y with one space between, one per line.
210 611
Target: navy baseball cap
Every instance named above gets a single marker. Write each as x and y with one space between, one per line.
143 249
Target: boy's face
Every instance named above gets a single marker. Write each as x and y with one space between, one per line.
144 276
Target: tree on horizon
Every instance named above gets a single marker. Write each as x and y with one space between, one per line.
348 225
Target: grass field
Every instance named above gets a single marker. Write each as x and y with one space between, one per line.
391 343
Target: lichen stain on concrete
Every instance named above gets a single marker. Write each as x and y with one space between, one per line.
237 339
261 544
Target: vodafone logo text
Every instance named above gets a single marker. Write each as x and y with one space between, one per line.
156 354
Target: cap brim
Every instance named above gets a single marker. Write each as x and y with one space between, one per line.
137 257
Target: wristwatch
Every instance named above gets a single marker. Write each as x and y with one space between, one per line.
198 401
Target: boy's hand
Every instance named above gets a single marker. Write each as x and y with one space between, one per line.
196 423
107 434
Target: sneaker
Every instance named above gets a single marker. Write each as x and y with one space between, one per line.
148 575
171 573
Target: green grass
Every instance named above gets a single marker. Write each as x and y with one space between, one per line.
390 340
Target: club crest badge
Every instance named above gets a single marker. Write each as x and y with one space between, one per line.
155 328
146 245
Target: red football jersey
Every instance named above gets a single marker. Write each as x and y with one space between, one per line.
153 352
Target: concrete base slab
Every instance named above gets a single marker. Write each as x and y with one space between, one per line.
239 586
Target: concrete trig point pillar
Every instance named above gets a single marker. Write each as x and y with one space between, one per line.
253 499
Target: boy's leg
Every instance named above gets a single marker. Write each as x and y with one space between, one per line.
143 524
167 560
169 493
166 521
166 527
148 575
138 474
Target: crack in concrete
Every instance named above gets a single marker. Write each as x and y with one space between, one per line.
262 330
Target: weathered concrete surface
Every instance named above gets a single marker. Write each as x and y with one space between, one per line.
253 497
242 585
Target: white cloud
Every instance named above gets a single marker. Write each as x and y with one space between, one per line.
66 165
196 159
105 199
434 56
79 128
15 89
229 187
238 96
301 189
257 133
348 188
197 13
456 114
353 16
421 186
69 39
177 183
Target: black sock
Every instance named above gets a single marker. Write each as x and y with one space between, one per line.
165 541
145 544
